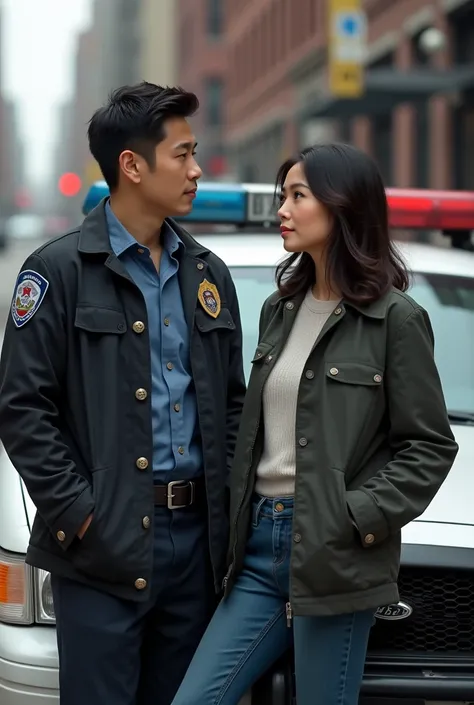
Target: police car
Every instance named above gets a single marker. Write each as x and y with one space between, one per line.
422 649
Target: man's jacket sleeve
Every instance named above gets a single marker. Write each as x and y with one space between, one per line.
32 389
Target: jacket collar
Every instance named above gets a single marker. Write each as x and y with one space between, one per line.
377 309
94 235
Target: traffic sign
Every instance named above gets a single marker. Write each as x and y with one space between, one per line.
347 48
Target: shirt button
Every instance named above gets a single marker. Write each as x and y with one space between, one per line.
370 538
377 378
297 538
140 583
290 305
140 250
303 442
177 407
169 365
200 265
309 374
338 311
141 394
61 536
142 463
138 326
166 321
334 371
181 450
146 521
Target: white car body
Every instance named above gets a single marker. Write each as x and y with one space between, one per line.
28 654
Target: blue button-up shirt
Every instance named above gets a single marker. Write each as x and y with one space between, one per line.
176 442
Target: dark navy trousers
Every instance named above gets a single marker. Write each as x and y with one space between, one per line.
116 652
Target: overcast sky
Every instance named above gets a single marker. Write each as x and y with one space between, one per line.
38 45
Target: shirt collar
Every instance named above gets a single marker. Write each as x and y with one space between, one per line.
121 240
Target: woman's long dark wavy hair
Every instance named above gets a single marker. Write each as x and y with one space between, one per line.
362 263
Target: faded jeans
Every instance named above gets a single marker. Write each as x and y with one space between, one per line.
249 630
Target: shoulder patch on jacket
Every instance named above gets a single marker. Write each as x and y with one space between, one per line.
30 290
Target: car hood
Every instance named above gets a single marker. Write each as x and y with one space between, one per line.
448 521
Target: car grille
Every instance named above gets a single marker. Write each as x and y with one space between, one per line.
442 618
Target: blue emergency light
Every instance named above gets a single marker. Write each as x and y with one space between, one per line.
219 203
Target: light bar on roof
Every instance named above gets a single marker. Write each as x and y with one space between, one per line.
254 204
224 203
430 210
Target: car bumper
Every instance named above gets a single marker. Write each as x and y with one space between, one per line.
440 679
28 665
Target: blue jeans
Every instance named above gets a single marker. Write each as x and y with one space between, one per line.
249 630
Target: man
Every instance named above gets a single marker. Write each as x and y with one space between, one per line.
121 391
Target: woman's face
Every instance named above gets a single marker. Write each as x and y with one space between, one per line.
305 222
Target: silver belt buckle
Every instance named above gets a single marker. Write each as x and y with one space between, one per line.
170 495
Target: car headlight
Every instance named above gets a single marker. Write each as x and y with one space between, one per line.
44 608
25 592
16 589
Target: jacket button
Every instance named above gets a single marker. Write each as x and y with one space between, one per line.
309 374
181 450
297 538
169 365
338 311
290 305
200 265
370 538
334 371
303 442
146 521
142 463
141 394
166 321
269 358
61 536
140 583
177 407
138 327
121 326
377 378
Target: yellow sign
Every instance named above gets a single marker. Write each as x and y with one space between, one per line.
346 48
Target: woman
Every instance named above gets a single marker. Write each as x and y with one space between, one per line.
344 439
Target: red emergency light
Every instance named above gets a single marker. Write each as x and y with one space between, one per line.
430 210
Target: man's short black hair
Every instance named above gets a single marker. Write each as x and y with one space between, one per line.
134 119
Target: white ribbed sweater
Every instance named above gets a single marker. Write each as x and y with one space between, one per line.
277 466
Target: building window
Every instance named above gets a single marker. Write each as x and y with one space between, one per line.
214 102
214 17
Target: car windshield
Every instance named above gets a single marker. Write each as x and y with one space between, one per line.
448 299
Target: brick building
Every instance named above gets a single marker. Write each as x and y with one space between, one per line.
416 117
202 67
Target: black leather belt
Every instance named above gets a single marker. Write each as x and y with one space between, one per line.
179 494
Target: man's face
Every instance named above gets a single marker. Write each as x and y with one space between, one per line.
170 187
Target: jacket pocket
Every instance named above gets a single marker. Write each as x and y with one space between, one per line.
354 373
207 324
350 393
109 541
263 349
330 560
95 319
